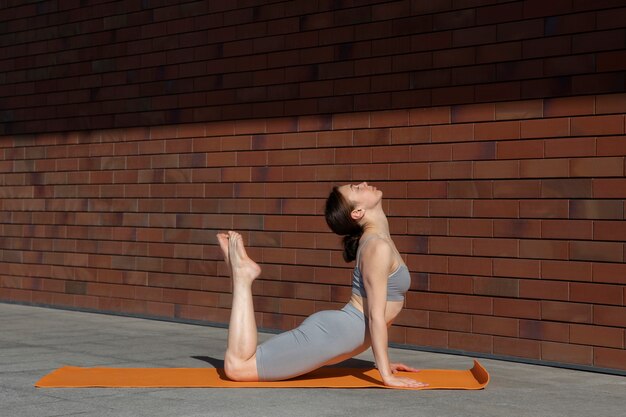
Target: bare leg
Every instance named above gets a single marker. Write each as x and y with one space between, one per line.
240 361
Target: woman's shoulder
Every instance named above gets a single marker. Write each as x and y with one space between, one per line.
375 245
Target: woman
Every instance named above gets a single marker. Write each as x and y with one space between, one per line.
380 280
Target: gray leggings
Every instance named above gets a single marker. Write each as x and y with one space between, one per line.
324 338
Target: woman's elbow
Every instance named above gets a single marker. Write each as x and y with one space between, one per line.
376 319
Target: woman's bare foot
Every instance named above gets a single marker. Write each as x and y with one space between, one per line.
243 269
222 238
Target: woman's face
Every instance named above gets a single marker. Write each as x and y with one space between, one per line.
361 195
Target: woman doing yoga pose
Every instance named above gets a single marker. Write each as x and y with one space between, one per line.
379 281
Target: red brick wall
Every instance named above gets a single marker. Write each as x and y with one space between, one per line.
497 132
72 64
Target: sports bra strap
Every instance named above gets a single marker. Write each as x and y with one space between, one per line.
361 246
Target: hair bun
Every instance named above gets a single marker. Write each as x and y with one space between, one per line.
350 247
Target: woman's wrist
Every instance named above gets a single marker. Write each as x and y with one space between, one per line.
385 373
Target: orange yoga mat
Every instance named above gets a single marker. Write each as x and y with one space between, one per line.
328 377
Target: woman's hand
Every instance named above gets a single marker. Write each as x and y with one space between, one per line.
395 367
402 382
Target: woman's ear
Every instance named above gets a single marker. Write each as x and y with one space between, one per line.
357 214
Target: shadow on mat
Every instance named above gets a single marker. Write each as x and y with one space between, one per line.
353 363
348 366
349 363
216 363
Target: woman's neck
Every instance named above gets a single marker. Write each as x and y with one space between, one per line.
377 223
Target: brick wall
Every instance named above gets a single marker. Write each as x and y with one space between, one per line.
496 130
72 64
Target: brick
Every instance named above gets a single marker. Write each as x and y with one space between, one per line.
566 270
528 309
566 188
410 135
596 293
391 154
522 109
569 106
443 170
597 167
449 245
546 290
496 169
545 168
570 147
517 189
567 65
394 118
412 318
609 358
596 83
597 125
449 321
497 130
516 268
427 301
427 226
543 209
495 247
452 133
472 113
499 326
496 286
566 312
523 228
609 188
407 208
429 116
474 36
426 337
611 103
495 208
611 146
568 353
437 152
451 284
351 155
543 47
470 342
544 128
544 249
450 208
453 95
426 189
611 61
597 336
520 30
516 347
473 75
609 230
520 149
596 251
566 229
470 189
609 315
470 227
504 91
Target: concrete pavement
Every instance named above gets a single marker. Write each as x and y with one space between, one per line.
35 341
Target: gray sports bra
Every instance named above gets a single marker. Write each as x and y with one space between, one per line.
398 282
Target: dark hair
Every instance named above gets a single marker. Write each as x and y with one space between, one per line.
340 221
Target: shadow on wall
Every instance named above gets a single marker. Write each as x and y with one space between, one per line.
136 65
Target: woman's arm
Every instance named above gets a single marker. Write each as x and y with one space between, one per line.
375 265
376 262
